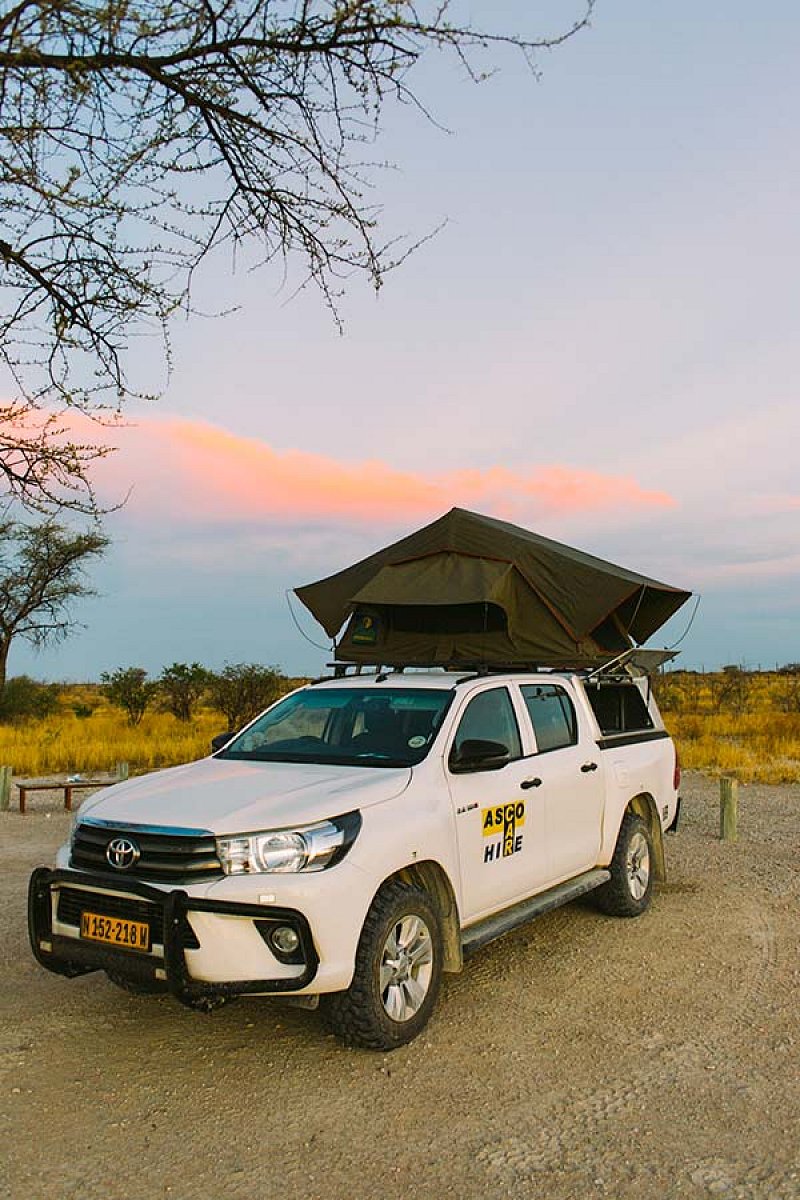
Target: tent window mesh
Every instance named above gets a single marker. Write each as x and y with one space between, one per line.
447 618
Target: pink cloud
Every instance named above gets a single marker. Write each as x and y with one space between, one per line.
198 471
774 505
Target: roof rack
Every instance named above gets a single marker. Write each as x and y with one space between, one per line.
630 664
476 668
468 670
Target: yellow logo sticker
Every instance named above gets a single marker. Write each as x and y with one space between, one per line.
496 820
503 822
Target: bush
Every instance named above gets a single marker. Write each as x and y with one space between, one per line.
24 699
181 686
240 691
129 689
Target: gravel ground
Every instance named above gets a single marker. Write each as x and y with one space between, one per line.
581 1056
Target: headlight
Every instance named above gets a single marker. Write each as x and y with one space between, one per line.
286 851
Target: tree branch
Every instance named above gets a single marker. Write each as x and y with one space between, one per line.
135 137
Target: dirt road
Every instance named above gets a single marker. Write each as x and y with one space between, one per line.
580 1057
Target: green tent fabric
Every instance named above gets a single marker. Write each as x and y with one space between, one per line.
472 589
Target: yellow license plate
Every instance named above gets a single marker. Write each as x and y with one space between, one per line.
114 931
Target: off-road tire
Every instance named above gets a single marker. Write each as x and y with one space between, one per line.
618 897
137 987
358 1016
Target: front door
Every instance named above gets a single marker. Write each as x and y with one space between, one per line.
499 814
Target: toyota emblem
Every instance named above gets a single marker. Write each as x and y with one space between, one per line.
122 853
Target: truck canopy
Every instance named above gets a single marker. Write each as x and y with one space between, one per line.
471 589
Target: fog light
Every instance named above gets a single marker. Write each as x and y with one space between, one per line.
285 939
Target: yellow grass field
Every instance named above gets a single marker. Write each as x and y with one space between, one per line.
735 722
760 743
66 744
762 747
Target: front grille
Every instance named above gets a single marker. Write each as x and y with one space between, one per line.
163 858
74 901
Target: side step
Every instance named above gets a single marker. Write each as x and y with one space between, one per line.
510 918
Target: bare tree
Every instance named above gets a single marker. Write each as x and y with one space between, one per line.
136 135
730 689
787 688
42 571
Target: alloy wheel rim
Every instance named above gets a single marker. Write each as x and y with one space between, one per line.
406 968
637 865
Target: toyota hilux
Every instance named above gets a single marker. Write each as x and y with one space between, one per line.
363 835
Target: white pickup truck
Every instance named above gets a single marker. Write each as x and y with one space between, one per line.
360 837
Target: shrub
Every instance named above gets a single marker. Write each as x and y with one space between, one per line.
181 686
129 689
240 691
24 698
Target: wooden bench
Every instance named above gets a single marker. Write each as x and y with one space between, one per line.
67 786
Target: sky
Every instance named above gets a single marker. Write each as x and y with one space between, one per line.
599 344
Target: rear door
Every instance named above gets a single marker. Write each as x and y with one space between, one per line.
568 765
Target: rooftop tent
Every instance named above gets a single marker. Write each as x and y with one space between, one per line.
471 589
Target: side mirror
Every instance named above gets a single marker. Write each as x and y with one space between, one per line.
221 740
479 754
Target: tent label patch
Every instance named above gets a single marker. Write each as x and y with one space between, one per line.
502 823
365 630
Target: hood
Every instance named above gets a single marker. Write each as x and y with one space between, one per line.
241 797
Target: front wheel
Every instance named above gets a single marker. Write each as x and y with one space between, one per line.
397 973
630 888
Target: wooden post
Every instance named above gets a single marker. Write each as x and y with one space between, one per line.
5 789
122 770
728 808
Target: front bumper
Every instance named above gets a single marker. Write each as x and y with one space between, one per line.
63 952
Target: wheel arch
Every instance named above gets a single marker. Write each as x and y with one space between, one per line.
645 807
432 878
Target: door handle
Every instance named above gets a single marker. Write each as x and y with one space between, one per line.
589 767
529 783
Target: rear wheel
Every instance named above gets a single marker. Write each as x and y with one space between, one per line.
397 973
630 888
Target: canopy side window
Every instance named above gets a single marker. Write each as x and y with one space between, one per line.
489 716
552 715
619 708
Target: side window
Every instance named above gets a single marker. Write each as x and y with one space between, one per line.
552 716
489 716
619 708
634 709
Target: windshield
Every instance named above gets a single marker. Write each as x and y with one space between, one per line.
370 727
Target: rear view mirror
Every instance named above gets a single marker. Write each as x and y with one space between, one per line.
221 740
479 754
